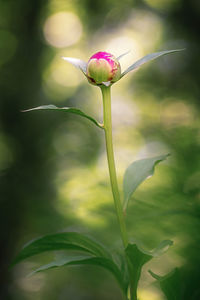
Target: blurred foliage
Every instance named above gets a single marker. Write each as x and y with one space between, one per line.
53 171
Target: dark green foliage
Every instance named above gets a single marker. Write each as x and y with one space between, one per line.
170 284
72 241
61 241
137 257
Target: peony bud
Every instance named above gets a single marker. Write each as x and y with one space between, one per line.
103 67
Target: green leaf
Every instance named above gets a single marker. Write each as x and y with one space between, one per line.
136 173
62 241
169 284
106 263
136 259
78 63
65 109
147 58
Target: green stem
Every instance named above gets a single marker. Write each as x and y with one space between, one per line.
111 162
113 177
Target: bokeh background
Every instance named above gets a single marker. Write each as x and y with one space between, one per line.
53 169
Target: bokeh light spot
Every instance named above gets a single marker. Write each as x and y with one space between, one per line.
162 4
64 74
80 192
176 113
149 294
123 44
62 29
60 79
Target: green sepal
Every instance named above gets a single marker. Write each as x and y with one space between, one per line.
147 58
122 55
76 62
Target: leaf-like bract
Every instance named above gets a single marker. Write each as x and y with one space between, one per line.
78 63
136 173
122 55
147 58
72 110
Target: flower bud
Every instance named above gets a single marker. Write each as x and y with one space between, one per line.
103 67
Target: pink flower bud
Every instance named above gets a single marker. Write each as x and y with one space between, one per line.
103 67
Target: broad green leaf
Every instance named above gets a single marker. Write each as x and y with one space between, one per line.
136 173
147 58
65 109
169 284
78 63
106 263
62 241
136 259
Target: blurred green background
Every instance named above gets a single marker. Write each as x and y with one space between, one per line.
53 169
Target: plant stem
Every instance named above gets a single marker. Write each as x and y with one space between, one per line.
113 177
111 162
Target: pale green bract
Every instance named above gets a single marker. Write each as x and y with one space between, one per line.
78 63
147 58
